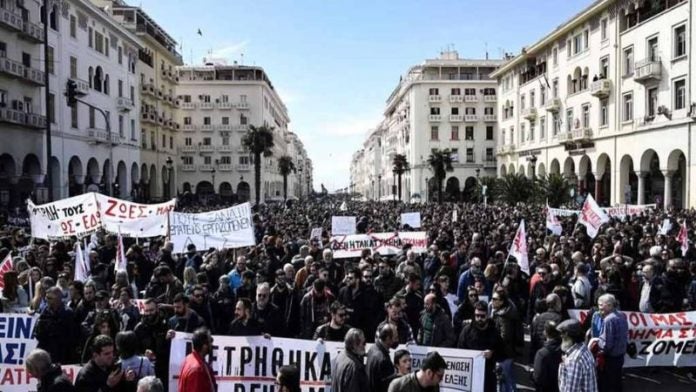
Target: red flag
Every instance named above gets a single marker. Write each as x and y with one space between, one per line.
683 238
6 265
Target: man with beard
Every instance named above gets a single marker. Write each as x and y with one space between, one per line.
164 287
481 335
314 309
86 305
284 297
265 312
348 372
361 302
611 344
336 329
547 360
380 368
199 304
576 372
184 319
56 330
387 283
99 374
243 324
675 279
151 332
196 374
335 271
436 327
408 266
222 304
395 317
413 301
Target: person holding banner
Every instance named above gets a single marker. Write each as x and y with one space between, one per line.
196 375
51 377
427 378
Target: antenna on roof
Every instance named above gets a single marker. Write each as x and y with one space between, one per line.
486 44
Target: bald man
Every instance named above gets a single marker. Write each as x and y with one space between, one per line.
436 327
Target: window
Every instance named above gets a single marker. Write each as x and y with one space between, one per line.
225 160
207 160
522 101
243 119
120 125
51 67
152 140
120 55
225 121
207 141
90 38
555 57
455 132
531 131
73 67
205 98
433 91
187 160
469 91
489 132
512 135
225 140
469 155
434 133
73 26
244 160
531 99
628 61
120 88
679 94
604 67
604 27
456 91
542 96
132 129
556 124
434 111
98 42
679 41
91 117
489 155
603 113
187 120
651 101
470 111
586 116
586 39
488 111
455 111
555 88
206 121
73 117
542 128
569 47
569 120
628 107
653 49
226 98
469 133
523 133
577 44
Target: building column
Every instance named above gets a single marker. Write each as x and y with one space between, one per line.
668 188
598 188
641 187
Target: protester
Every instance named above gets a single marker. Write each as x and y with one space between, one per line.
577 370
402 362
348 373
436 327
379 365
196 374
99 373
288 379
150 384
611 344
482 335
49 375
547 360
336 329
56 330
428 377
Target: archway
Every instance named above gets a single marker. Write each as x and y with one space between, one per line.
628 181
56 178
76 177
94 176
555 167
154 192
8 178
204 188
226 191
522 171
503 170
31 176
432 189
145 183
603 187
452 192
511 169
135 182
586 177
653 179
470 193
186 187
676 179
243 191
541 170
107 178
121 190
166 183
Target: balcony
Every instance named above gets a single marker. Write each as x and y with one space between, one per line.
224 127
226 167
206 148
225 105
489 162
10 67
225 148
115 139
434 118
242 106
206 105
529 114
34 76
188 105
504 149
490 98
471 118
240 128
12 116
471 98
82 86
36 121
11 20
435 98
553 105
456 118
95 136
32 32
205 168
148 89
600 88
149 117
647 71
456 98
188 128
490 118
124 104
243 168
188 149
584 133
188 168
207 127
564 137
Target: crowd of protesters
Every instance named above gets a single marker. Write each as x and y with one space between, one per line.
464 292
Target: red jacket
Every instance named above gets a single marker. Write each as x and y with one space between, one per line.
196 375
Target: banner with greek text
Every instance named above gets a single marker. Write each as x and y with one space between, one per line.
134 219
620 211
75 216
667 339
16 338
382 243
243 364
228 228
15 378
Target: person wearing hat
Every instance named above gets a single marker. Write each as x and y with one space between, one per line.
576 372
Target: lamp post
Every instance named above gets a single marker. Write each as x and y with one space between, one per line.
170 168
212 174
379 187
533 160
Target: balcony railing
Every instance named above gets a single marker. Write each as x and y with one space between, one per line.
456 98
434 118
32 32
584 133
188 168
82 86
648 70
225 105
553 105
600 88
456 118
242 106
11 67
490 98
11 20
95 136
240 128
564 137
207 127
225 148
188 149
148 89
471 118
188 105
243 168
490 118
529 114
34 120
206 148
205 168
225 167
206 105
124 104
12 116
224 127
188 128
471 98
435 98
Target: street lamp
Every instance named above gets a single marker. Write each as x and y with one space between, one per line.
212 174
533 160
478 172
170 168
379 187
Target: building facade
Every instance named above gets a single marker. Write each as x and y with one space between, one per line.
605 100
444 103
218 104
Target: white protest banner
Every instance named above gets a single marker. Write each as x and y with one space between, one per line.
342 225
382 243
412 219
228 228
16 341
244 364
15 378
661 339
315 236
518 250
563 212
134 219
622 211
592 217
552 222
666 226
75 216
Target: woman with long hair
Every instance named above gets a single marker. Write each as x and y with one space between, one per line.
104 324
190 279
288 379
13 294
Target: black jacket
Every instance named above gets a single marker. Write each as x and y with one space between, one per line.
57 333
379 367
153 336
546 362
92 378
55 381
270 318
365 307
288 303
473 338
326 333
252 328
348 374
442 334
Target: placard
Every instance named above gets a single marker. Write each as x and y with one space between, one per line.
74 216
412 219
382 243
342 225
228 228
134 219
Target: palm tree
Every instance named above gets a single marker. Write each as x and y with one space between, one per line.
555 189
515 188
440 162
400 165
286 167
259 141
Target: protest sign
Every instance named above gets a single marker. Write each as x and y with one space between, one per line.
75 216
134 219
342 225
228 228
244 364
315 236
15 378
382 243
661 339
412 219
16 337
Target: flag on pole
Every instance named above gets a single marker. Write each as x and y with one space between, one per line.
6 265
344 206
519 248
683 238
454 215
121 263
552 222
592 216
82 270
